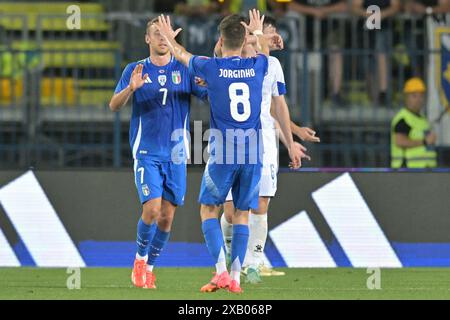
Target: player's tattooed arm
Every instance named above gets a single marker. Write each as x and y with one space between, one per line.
120 99
179 52
255 27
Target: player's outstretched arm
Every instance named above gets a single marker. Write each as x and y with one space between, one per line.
281 114
120 99
296 145
166 30
304 133
274 40
255 27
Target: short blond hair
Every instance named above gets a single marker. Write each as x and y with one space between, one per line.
150 23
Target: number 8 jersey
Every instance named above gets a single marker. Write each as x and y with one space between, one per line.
234 87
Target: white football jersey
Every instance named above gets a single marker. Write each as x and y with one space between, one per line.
273 85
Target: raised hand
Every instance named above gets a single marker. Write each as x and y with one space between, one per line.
165 28
137 80
256 21
200 82
275 41
297 153
307 134
178 51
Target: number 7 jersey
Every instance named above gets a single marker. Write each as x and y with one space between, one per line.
160 117
234 87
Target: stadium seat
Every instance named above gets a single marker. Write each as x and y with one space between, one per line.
10 90
83 92
95 91
96 84
58 91
76 53
53 16
95 97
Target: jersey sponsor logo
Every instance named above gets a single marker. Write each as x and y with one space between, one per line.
176 77
236 74
148 80
162 79
145 190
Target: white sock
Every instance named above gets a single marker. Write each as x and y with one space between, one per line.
221 265
236 270
227 232
257 224
149 268
236 276
139 257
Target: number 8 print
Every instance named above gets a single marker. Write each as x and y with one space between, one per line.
236 99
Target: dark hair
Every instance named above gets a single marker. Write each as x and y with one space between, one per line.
150 22
232 31
269 20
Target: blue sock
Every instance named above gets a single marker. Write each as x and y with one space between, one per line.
145 234
157 244
239 246
214 241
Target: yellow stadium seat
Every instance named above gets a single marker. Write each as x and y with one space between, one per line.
69 54
10 90
96 83
95 97
58 91
68 92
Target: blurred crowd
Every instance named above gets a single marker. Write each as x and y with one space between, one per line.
334 38
313 8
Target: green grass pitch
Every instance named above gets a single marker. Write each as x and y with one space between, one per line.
184 284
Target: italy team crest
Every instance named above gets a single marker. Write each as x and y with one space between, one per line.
176 77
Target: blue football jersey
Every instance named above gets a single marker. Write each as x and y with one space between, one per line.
160 117
234 87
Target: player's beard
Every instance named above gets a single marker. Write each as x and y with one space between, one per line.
157 50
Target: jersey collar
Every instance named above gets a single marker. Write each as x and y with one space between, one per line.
149 62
